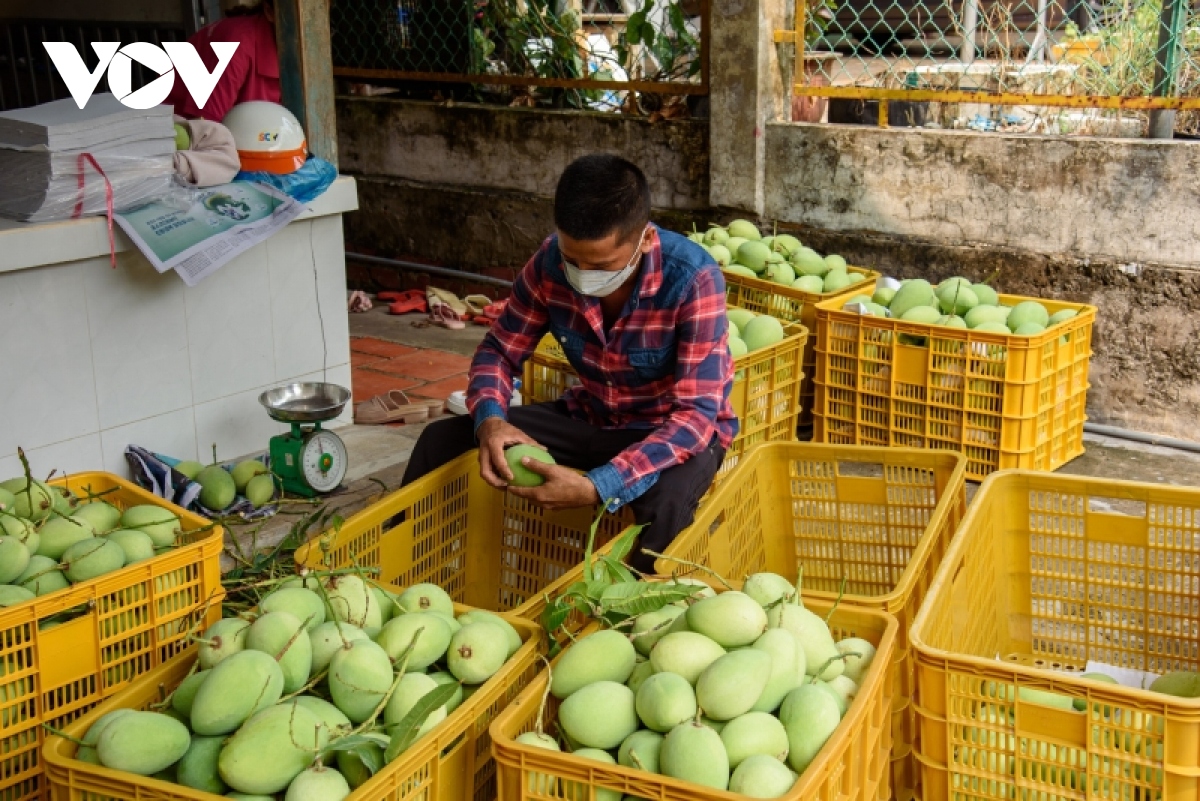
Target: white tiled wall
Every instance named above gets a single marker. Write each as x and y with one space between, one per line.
93 359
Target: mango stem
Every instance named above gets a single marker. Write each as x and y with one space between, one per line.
692 565
830 661
841 593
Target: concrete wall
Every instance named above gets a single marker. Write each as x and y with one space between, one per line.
471 186
1145 369
1114 223
1127 200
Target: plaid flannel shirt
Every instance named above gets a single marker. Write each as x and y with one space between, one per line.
664 365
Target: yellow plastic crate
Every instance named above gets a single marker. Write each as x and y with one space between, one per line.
853 765
488 549
765 395
880 517
1005 401
793 306
453 762
1046 573
128 622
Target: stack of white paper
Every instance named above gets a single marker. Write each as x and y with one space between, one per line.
49 156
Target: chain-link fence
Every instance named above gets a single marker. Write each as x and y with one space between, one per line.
586 53
1045 66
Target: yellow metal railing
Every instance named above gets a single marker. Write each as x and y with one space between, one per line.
1129 55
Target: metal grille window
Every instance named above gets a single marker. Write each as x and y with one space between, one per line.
28 77
596 49
1033 65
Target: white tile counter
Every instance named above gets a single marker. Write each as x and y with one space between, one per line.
93 359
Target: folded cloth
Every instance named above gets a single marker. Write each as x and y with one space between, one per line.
212 158
157 474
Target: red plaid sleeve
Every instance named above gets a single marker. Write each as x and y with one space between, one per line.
511 340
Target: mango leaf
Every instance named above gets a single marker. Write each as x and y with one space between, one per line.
359 745
554 615
576 590
404 733
640 598
596 589
372 758
617 571
624 543
589 573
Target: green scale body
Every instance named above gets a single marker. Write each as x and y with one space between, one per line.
308 460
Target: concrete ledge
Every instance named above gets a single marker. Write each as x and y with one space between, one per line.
1118 199
1145 371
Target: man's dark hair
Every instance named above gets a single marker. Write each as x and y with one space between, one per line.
600 194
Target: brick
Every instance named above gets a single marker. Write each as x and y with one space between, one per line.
441 389
426 365
366 384
379 347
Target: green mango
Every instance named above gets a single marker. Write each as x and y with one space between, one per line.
607 655
143 743
692 752
664 700
399 633
762 776
238 687
198 767
754 733
477 652
359 678
600 715
273 747
282 636
304 604
731 619
731 685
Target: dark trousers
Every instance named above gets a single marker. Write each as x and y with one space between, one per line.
665 509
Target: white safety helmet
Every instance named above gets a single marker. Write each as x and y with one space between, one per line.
268 137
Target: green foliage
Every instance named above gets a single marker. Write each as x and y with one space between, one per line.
610 592
675 49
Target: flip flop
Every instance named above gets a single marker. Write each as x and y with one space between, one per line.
441 314
490 313
412 300
447 298
476 304
358 301
386 408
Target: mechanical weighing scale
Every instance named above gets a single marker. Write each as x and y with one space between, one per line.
308 460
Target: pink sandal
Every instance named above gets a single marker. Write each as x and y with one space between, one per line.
386 408
440 313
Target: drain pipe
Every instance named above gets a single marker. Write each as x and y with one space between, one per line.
444 272
1145 439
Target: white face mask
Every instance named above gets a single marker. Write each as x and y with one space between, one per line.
602 283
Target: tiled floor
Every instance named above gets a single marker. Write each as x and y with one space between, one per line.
380 366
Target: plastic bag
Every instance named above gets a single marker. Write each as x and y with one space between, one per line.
41 185
305 184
